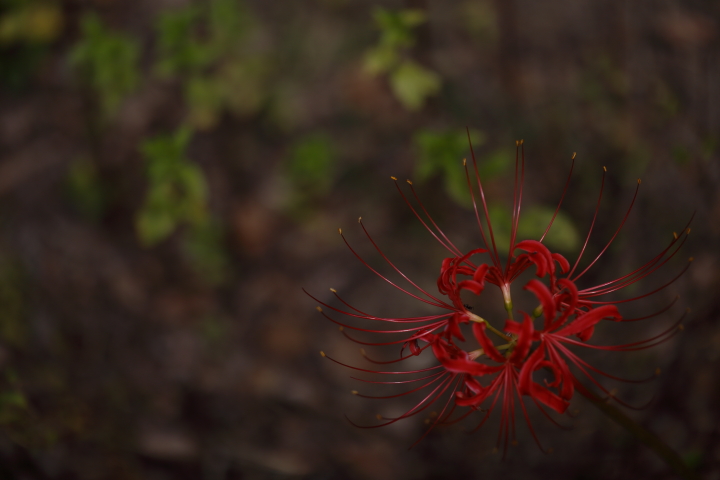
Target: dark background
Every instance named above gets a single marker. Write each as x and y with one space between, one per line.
172 173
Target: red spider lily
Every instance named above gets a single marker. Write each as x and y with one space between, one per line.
570 316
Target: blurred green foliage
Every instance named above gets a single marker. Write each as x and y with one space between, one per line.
681 154
177 196
85 190
27 27
178 51
310 169
29 21
207 49
17 420
441 154
13 405
107 62
177 192
411 83
310 163
480 20
534 220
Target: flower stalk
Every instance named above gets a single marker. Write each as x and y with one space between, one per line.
655 443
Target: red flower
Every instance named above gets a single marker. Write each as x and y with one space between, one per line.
501 373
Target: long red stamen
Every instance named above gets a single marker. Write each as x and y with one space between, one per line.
562 197
639 296
423 291
445 242
485 207
627 213
397 382
592 225
436 304
439 417
365 316
517 202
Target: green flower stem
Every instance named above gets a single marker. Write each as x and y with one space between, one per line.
507 300
669 456
475 318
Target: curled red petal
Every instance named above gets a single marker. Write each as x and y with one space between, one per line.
530 365
556 373
544 395
586 334
480 272
589 319
475 400
486 343
511 326
453 326
569 297
471 285
524 340
539 255
546 299
562 261
472 384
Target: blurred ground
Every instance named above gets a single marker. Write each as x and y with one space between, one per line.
172 173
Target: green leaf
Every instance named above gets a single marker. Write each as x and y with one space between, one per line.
411 17
177 190
396 27
16 399
229 21
441 153
533 222
108 61
154 225
310 165
85 189
205 99
412 84
242 84
380 59
178 49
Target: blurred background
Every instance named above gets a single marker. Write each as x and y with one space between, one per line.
173 173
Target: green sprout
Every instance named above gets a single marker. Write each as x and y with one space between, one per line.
108 62
411 83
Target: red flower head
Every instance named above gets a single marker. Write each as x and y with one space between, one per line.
502 372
